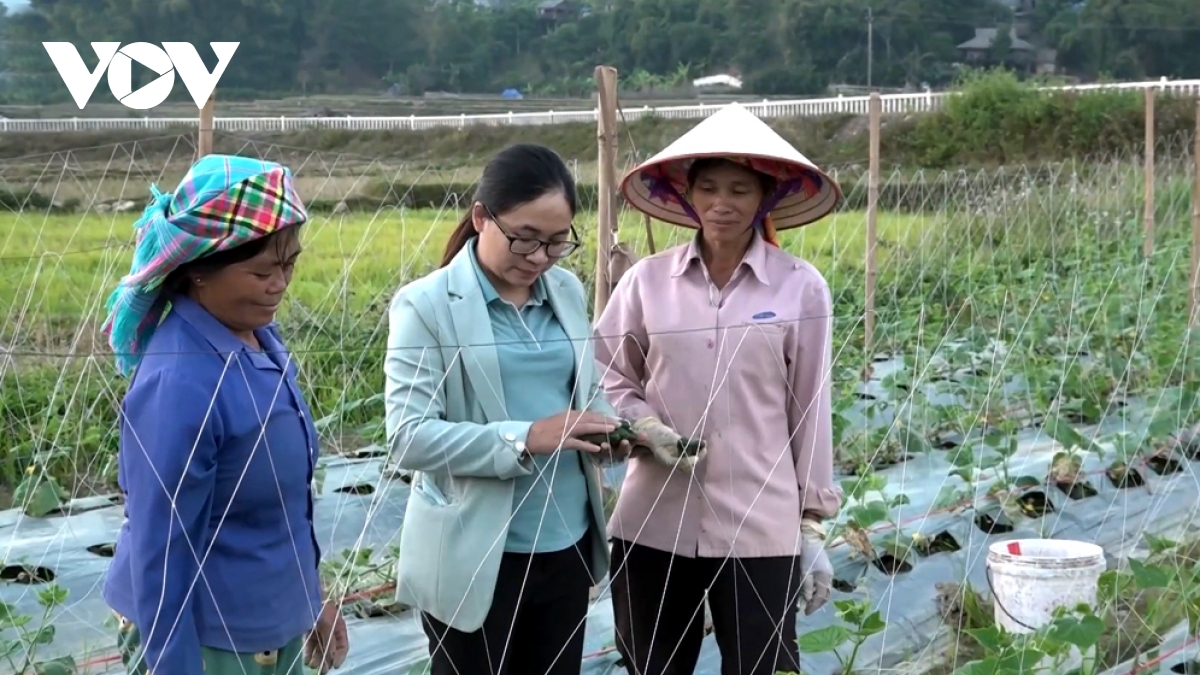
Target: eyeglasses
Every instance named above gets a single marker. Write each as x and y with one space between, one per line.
529 245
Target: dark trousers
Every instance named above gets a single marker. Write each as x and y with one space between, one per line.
535 625
660 615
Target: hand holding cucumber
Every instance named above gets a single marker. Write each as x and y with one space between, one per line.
650 436
570 430
616 445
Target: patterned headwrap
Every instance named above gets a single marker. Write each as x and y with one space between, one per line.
223 202
669 181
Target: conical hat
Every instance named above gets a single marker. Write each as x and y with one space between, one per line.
736 134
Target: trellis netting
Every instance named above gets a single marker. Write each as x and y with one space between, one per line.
1030 378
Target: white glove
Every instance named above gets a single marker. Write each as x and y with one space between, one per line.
667 446
815 567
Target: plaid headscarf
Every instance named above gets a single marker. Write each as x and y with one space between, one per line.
223 202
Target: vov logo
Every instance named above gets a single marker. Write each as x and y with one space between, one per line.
118 61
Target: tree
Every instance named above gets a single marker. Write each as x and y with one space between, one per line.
780 47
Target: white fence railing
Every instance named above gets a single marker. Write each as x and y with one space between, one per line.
857 105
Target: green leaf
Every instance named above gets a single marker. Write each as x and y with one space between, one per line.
1158 544
963 458
995 439
866 515
1111 584
992 639
7 614
1148 576
852 611
855 488
1064 433
913 443
872 624
823 640
44 635
1022 660
51 596
63 665
1164 424
845 607
989 461
10 648
1079 631
1193 614
42 499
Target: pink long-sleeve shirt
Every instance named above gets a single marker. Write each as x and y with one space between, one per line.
747 368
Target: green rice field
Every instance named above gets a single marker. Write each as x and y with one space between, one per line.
1049 272
57 269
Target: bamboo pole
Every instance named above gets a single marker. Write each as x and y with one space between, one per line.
606 134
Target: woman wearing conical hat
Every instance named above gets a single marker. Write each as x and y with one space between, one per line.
725 339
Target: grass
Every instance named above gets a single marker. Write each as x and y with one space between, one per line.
58 270
63 265
999 266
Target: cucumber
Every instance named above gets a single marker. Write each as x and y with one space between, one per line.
689 447
624 432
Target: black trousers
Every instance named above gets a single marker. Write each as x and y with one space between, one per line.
660 615
535 625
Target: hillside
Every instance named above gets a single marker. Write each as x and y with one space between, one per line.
996 120
779 47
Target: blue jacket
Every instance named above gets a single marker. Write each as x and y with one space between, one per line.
216 462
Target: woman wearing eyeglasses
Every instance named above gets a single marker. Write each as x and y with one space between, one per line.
491 389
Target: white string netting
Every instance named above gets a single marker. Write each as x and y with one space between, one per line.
1014 314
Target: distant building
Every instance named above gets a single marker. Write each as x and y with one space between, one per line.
980 50
717 82
558 11
554 11
1047 61
1023 11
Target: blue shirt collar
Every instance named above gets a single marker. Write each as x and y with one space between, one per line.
536 297
221 338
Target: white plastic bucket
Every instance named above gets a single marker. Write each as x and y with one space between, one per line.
1030 578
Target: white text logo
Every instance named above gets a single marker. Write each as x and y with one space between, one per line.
172 57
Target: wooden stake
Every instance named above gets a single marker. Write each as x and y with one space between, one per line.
1194 314
606 216
204 137
874 120
1148 189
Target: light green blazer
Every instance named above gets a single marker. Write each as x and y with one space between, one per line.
446 422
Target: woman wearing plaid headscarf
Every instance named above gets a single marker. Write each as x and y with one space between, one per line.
215 569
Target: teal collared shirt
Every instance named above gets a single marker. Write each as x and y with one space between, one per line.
537 372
